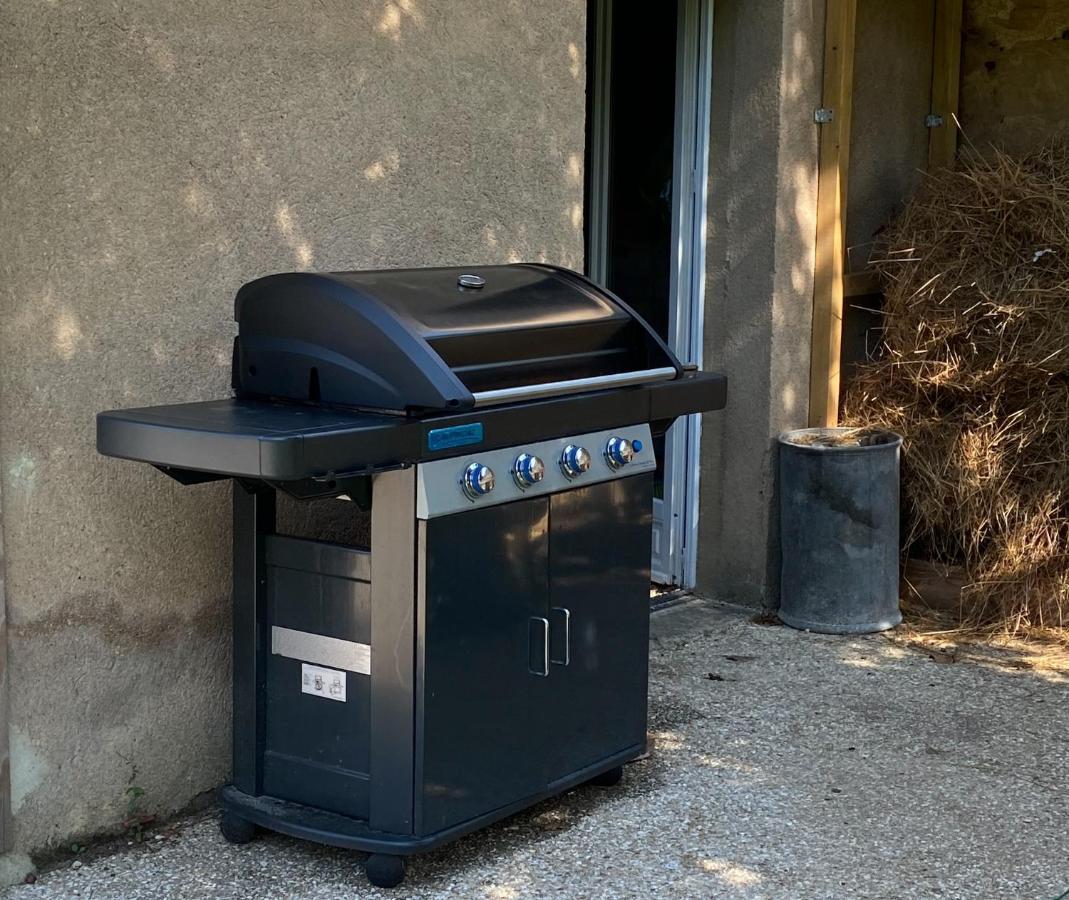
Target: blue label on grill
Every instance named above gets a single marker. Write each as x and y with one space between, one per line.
455 436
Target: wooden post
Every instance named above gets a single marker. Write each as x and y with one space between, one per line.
834 159
946 76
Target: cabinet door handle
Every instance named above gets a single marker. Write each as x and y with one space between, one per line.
538 663
566 616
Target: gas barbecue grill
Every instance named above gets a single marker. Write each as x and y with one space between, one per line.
490 648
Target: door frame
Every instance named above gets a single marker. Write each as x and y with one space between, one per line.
677 564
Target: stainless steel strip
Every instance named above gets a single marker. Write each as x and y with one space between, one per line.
573 386
322 650
438 490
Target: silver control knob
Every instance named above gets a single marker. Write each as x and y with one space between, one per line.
528 470
477 480
619 452
574 461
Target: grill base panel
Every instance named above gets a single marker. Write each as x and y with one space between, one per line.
335 830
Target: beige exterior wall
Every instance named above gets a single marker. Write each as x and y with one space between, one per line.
767 66
154 157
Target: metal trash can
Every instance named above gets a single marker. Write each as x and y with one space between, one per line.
839 529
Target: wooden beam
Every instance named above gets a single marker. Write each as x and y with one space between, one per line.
834 159
946 77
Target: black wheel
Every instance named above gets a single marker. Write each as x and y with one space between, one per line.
384 870
610 778
235 829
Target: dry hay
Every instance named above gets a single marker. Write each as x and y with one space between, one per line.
975 376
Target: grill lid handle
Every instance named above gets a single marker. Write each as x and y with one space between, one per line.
572 386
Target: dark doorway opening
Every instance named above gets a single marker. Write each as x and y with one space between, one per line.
640 95
641 156
647 149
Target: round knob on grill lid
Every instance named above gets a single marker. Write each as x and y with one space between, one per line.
477 480
471 282
528 470
619 452
574 461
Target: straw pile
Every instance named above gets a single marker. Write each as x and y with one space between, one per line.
975 376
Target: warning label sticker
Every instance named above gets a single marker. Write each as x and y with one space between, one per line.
329 683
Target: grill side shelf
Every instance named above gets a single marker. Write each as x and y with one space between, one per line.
287 442
178 447
251 439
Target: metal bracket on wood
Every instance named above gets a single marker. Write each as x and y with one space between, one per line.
933 120
823 116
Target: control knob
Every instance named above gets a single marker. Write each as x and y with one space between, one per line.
619 452
477 480
574 461
528 470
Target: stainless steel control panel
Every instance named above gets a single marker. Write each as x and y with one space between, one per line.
491 477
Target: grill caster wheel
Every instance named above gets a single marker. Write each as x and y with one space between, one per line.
235 829
384 870
610 778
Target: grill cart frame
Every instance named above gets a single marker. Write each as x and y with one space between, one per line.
489 650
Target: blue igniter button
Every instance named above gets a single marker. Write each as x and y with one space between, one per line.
637 446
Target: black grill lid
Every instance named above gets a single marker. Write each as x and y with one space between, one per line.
421 340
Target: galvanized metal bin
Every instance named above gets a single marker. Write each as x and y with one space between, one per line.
839 529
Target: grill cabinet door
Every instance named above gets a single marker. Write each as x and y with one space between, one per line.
600 574
485 582
316 749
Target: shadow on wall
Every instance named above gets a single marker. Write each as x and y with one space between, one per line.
158 159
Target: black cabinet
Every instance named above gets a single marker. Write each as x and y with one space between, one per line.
594 699
485 580
315 750
534 646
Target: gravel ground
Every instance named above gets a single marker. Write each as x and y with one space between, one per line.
782 764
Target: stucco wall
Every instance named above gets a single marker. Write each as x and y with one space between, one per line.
758 319
155 156
1015 72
